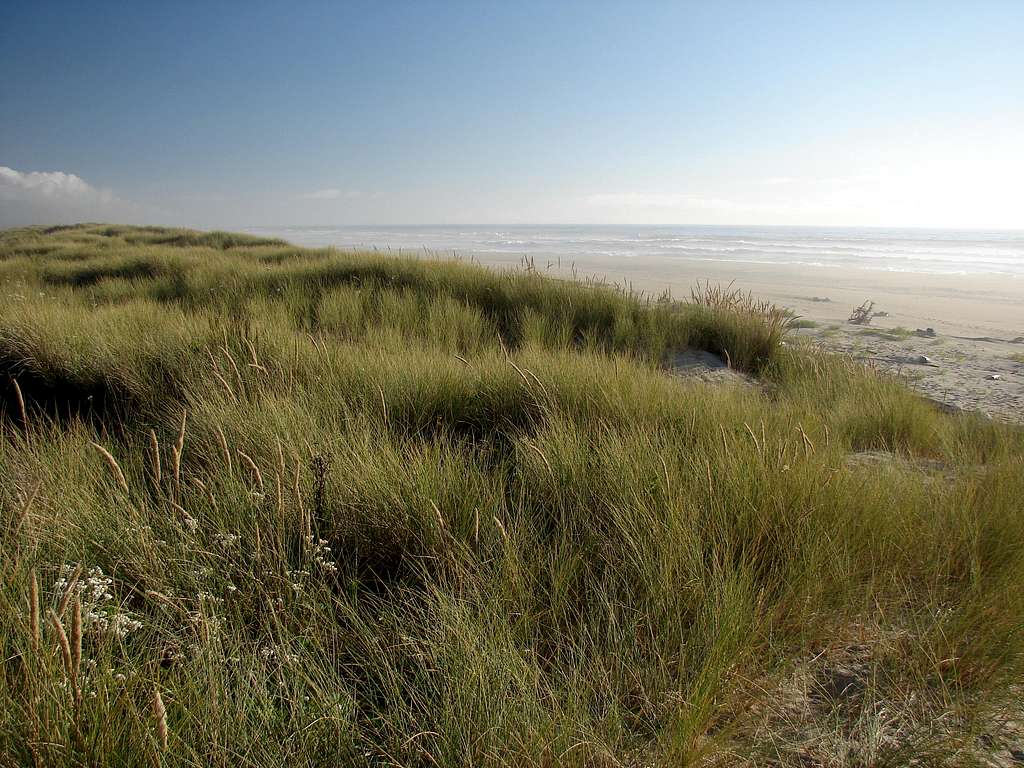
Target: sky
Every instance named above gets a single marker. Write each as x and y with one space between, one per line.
267 114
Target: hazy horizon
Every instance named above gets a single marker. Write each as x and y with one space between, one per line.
626 224
239 115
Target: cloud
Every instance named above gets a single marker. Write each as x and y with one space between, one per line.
332 193
58 197
776 181
49 187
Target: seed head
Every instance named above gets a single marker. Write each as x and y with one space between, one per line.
160 719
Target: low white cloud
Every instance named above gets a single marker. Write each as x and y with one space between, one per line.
49 186
58 197
332 193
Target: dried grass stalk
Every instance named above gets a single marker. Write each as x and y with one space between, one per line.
753 437
76 639
536 449
437 511
62 641
234 368
205 489
808 445
255 360
23 514
179 445
33 599
223 442
186 518
224 383
280 460
176 465
154 446
160 719
20 399
69 592
280 494
248 461
115 468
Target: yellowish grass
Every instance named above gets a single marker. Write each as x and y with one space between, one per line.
115 468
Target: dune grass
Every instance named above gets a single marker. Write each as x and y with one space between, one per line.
264 505
898 333
802 322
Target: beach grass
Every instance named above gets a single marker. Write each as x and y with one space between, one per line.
272 506
889 334
802 322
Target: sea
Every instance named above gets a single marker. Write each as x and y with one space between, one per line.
944 252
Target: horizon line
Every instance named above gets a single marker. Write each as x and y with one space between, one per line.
488 225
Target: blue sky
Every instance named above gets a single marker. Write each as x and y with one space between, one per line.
222 114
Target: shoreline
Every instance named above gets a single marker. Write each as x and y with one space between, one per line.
975 359
787 265
962 305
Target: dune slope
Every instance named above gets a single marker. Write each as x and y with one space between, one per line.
272 506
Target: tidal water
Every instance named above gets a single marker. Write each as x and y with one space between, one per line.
897 250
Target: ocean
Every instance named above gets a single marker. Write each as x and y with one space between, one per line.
896 250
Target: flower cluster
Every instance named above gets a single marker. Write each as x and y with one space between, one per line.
295 578
99 612
120 624
320 554
226 539
270 653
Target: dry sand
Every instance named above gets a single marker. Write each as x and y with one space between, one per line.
978 319
959 373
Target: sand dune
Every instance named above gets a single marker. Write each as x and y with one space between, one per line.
978 319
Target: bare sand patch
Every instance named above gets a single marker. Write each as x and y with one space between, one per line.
958 373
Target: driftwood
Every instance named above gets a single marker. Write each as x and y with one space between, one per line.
863 314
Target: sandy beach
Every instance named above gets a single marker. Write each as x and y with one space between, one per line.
967 287
975 361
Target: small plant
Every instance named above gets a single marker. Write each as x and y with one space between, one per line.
798 322
889 334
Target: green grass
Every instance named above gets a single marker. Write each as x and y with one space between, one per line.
889 334
390 511
1017 357
802 323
